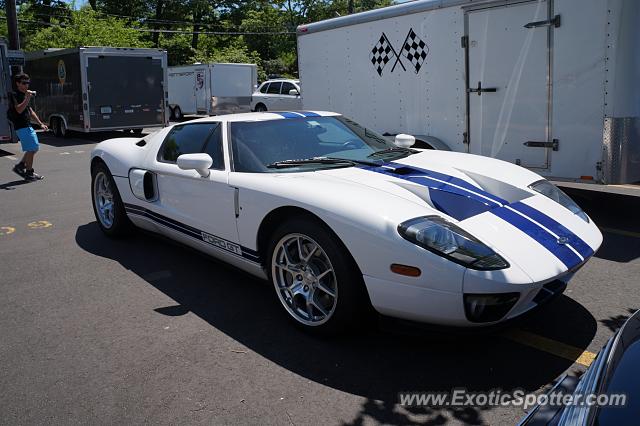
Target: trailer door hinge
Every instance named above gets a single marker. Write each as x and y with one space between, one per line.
554 144
555 22
464 41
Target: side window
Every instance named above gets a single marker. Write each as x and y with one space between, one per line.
185 139
263 88
286 86
214 148
274 88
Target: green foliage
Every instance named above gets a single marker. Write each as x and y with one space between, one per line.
236 52
184 27
85 29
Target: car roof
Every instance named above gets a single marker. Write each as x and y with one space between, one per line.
265 116
276 80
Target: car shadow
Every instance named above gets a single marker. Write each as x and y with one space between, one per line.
616 216
376 364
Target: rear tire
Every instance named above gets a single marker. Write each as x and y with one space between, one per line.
315 278
261 108
177 113
107 204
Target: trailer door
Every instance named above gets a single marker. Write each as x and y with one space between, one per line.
125 91
202 89
508 96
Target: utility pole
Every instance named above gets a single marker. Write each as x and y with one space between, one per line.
12 30
12 24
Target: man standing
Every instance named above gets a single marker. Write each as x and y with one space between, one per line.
20 114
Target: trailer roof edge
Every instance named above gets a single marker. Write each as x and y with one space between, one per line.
382 13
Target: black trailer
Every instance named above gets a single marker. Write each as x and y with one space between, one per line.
90 89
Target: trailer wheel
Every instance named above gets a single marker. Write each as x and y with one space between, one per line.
55 126
137 131
177 113
64 132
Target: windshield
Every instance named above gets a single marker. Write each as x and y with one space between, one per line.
258 144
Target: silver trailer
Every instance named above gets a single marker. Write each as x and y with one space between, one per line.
90 89
7 133
552 85
211 89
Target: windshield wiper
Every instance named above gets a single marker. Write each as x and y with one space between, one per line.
348 162
395 149
315 160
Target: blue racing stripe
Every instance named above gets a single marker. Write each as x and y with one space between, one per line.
456 202
548 241
309 114
244 252
576 242
286 114
453 180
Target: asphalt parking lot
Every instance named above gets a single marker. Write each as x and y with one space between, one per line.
143 330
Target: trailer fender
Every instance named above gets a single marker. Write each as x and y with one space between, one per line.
60 116
430 142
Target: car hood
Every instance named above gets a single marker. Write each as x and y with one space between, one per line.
492 200
454 184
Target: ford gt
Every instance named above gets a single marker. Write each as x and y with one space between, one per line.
343 221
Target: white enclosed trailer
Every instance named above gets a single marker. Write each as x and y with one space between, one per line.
211 89
552 85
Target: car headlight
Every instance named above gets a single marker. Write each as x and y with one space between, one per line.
450 241
551 191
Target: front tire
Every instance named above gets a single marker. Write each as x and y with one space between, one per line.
315 278
261 108
107 204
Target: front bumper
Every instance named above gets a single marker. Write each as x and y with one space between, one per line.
422 304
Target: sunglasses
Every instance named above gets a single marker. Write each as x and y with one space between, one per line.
26 83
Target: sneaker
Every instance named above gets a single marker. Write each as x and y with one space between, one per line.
19 169
31 175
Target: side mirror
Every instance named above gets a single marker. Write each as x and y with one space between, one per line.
199 162
404 141
294 92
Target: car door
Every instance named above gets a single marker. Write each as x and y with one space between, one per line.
273 98
196 207
289 102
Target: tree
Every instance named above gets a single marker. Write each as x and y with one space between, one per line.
86 28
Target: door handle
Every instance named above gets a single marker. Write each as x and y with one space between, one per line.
555 22
554 144
479 90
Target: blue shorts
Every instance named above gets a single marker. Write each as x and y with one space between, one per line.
28 139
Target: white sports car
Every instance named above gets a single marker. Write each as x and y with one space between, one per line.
340 220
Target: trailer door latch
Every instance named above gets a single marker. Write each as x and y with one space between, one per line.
555 22
534 144
479 90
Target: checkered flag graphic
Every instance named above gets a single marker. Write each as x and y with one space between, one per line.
415 50
381 54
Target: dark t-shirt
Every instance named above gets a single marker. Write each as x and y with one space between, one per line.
19 120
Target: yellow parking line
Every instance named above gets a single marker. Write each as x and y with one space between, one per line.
621 232
39 224
551 346
6 230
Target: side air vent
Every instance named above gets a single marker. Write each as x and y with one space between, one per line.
143 184
149 186
141 142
